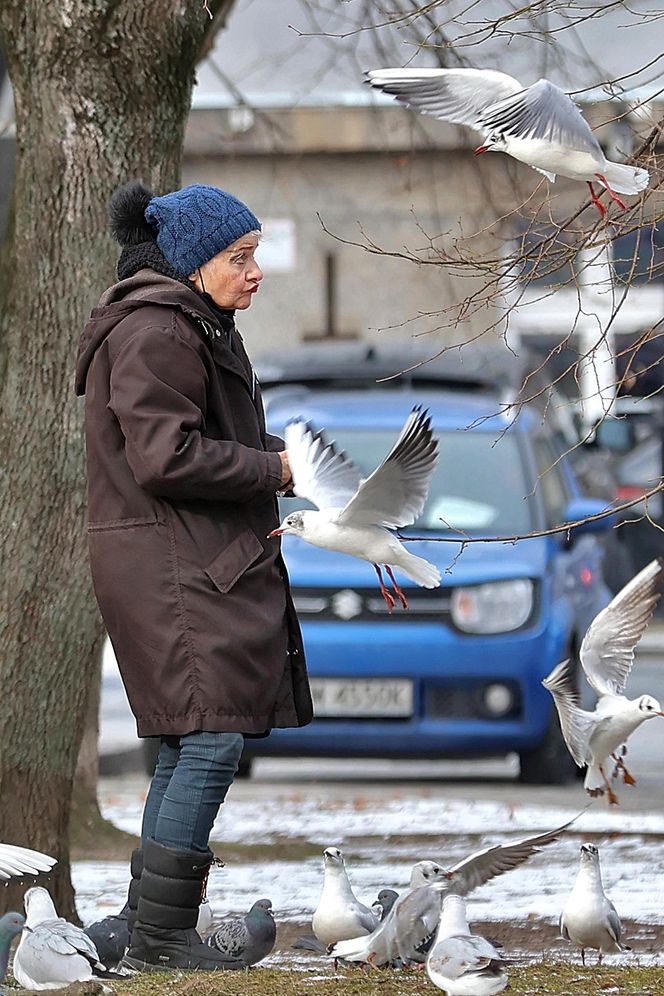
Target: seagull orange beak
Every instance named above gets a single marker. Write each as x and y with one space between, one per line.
660 713
480 149
275 532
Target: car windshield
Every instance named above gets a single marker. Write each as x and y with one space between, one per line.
479 484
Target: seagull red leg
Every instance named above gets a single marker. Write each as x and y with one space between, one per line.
612 194
397 590
383 590
596 201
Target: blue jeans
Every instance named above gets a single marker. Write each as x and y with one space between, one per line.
190 782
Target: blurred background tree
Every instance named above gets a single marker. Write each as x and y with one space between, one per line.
102 89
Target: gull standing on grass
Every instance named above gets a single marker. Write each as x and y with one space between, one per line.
539 124
607 656
589 918
339 914
16 861
53 953
355 516
461 963
414 917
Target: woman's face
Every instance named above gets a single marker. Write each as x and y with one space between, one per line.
231 278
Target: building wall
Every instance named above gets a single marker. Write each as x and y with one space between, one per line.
403 183
398 202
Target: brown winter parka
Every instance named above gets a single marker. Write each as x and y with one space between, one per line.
182 479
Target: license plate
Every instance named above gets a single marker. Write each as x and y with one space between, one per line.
352 697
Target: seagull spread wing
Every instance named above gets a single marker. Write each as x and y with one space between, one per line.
15 860
577 724
490 862
542 111
395 494
456 95
607 651
321 474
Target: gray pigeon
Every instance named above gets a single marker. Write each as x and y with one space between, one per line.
11 924
384 902
249 939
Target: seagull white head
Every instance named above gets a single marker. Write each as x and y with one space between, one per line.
293 523
38 906
589 854
426 873
495 142
649 707
333 856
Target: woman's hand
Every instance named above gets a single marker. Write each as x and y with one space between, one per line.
286 476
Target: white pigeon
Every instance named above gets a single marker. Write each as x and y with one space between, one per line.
589 918
339 914
16 861
461 963
52 953
355 516
607 656
538 124
415 914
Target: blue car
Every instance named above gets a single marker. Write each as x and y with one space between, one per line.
459 673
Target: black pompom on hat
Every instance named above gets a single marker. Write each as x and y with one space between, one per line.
126 213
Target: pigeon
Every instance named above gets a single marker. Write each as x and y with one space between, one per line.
249 939
110 937
589 918
540 125
16 861
607 656
339 914
415 914
11 924
52 952
460 962
355 516
384 902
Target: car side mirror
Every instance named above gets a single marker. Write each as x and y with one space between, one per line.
583 511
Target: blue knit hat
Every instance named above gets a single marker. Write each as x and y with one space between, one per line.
196 223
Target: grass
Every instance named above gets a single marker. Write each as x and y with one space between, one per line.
546 978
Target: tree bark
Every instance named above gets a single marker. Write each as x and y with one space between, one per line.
102 89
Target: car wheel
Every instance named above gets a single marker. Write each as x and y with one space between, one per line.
550 763
244 767
150 747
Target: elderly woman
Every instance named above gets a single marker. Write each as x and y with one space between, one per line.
182 479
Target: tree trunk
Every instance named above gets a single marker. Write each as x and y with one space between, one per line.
102 90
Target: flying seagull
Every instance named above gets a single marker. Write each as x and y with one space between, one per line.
539 124
355 516
607 656
589 918
16 861
460 962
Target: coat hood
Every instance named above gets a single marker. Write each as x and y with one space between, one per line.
146 287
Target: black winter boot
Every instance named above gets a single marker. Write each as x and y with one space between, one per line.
164 935
111 935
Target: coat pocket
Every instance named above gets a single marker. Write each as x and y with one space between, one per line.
232 562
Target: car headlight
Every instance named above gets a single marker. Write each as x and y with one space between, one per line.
496 607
